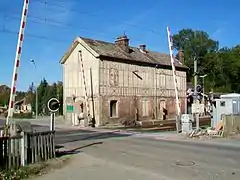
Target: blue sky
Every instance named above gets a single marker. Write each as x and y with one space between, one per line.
53 24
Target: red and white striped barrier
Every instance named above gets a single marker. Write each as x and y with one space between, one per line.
174 71
17 60
85 86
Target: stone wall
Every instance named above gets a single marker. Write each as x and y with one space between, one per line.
127 107
135 87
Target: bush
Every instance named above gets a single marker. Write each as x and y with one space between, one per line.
22 115
23 172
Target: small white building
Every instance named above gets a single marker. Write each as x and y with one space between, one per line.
127 82
228 104
22 106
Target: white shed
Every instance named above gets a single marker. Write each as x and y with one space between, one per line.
230 96
227 104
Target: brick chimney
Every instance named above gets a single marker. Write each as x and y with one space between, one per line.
142 48
123 43
181 55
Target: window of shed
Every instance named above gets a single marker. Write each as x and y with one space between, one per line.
113 108
222 103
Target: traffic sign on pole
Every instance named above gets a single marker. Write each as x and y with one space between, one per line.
53 105
197 108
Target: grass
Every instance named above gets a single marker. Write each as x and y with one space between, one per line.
38 169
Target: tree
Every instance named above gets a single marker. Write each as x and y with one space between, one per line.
60 96
222 66
47 91
42 90
196 44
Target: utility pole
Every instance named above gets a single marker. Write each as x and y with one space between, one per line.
36 102
195 90
155 97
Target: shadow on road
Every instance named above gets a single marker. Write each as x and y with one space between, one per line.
76 150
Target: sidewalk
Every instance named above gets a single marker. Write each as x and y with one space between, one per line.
66 127
180 138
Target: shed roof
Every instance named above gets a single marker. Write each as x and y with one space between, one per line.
231 95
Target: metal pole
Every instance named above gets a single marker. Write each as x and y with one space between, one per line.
155 98
36 103
195 90
204 97
52 122
203 86
17 60
36 91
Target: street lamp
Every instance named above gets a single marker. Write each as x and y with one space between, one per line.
36 102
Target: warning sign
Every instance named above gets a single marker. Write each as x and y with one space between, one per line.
197 108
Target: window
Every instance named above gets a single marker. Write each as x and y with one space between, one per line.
145 109
113 108
222 103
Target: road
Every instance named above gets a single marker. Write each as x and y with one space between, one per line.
104 155
120 157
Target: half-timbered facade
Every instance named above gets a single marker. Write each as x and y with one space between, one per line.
127 82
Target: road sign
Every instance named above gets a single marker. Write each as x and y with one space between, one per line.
198 108
53 105
70 108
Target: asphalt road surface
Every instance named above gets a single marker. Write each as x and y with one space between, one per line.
122 157
104 155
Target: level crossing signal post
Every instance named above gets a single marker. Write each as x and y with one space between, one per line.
53 106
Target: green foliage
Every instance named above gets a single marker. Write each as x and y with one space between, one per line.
23 172
5 94
47 91
222 66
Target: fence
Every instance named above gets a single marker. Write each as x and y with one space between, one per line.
10 152
26 148
231 124
39 147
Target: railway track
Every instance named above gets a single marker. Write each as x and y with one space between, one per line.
202 121
169 125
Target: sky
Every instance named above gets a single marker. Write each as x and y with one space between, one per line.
52 25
